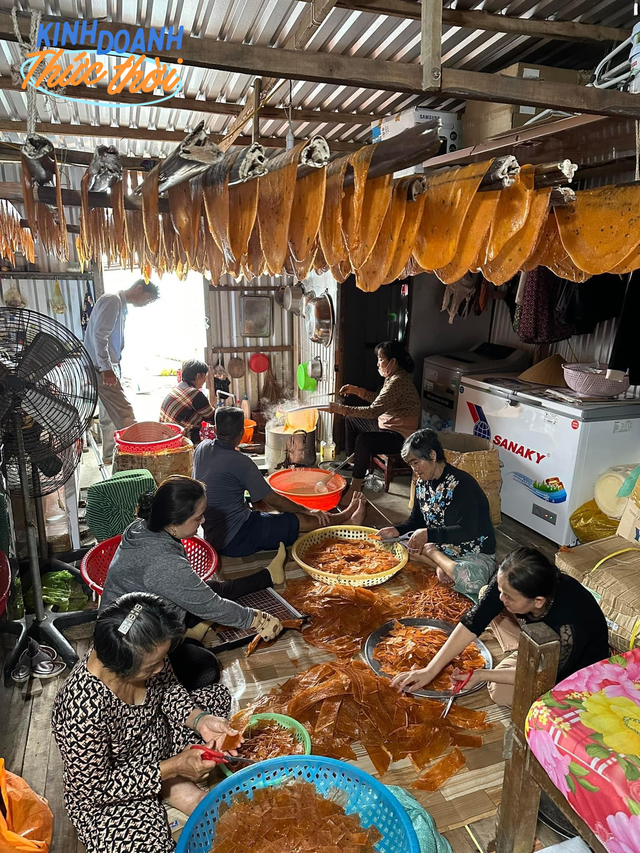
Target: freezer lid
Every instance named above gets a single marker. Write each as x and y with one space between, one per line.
511 388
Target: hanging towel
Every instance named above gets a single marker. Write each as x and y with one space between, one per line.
111 504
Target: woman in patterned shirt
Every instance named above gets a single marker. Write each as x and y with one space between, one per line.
391 416
185 404
451 521
125 726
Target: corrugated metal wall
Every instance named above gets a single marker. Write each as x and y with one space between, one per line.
308 350
224 315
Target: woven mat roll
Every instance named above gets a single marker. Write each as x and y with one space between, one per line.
111 504
607 487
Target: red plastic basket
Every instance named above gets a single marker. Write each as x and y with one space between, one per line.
95 563
5 582
297 484
148 437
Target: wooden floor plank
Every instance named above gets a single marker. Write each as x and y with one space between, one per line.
36 758
13 738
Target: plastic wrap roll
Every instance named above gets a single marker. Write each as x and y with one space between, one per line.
607 487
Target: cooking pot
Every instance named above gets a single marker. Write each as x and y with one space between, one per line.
314 368
319 320
292 298
292 449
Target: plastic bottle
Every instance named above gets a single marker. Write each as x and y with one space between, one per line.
246 407
328 450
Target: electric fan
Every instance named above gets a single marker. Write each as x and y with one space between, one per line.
48 394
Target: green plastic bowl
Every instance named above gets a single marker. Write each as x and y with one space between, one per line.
302 735
305 382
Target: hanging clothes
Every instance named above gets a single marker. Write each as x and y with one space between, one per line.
537 320
625 354
587 303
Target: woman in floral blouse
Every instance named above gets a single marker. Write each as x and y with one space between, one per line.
450 521
124 726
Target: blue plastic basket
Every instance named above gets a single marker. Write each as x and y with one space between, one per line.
366 796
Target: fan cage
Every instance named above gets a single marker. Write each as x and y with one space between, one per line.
43 483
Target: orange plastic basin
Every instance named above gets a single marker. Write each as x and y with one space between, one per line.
298 484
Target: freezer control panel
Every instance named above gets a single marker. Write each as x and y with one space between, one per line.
544 514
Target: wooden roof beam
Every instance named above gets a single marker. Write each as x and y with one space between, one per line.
159 135
472 20
378 74
212 107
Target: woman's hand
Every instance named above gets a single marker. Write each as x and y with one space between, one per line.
323 518
266 625
418 540
188 764
334 408
414 680
214 730
478 677
388 533
347 390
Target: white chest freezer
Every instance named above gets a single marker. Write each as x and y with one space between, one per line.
552 452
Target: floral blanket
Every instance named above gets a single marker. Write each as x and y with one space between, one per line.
586 734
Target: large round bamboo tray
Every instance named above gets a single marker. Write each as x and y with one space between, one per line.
345 531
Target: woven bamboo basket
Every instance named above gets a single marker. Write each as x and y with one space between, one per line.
347 532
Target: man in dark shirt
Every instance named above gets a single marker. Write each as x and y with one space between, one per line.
450 521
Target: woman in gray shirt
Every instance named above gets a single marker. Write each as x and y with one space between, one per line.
151 558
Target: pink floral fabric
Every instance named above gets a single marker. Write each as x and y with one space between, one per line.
586 735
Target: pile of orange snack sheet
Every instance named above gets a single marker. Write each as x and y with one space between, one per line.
431 599
290 818
342 703
350 557
267 739
341 616
412 647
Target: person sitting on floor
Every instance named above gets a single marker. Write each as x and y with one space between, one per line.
151 558
185 404
451 519
526 588
391 416
229 524
125 726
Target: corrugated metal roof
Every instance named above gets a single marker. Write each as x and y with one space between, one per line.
268 22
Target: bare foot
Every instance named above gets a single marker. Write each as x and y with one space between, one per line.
357 508
347 514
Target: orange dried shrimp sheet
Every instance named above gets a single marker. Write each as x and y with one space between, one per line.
341 616
432 600
342 704
411 647
441 771
350 557
290 818
268 739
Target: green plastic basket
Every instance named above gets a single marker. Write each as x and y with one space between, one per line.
302 735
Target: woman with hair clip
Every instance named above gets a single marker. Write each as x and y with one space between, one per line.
526 588
151 558
125 727
391 415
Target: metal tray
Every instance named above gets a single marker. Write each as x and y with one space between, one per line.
265 599
374 638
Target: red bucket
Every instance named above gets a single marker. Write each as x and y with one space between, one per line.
298 484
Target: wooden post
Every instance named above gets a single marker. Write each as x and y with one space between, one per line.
257 89
431 45
538 656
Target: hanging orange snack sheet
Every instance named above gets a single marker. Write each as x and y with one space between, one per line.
402 245
216 204
377 198
556 258
353 197
330 235
601 228
409 647
448 197
243 209
341 704
473 237
374 271
288 818
275 199
253 263
151 211
349 557
511 213
181 205
518 249
306 214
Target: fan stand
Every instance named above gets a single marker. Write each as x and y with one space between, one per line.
45 627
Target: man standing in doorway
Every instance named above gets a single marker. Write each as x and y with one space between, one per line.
104 341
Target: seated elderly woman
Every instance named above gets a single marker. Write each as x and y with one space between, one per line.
125 726
451 520
526 588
